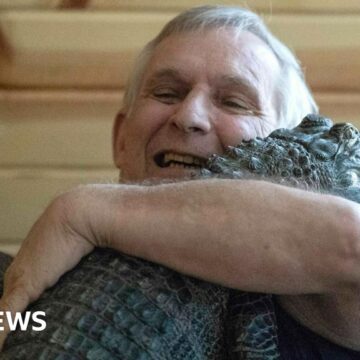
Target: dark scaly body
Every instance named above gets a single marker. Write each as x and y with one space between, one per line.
113 306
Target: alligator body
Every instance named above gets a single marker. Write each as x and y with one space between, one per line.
112 306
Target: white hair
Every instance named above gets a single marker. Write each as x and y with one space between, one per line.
293 97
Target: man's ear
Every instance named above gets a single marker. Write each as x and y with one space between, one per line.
118 143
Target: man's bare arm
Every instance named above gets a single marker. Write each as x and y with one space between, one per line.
249 235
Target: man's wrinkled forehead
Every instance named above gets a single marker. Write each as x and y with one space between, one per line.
242 62
240 52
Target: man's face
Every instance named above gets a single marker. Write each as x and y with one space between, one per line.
200 93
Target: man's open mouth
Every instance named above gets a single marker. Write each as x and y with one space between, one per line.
171 159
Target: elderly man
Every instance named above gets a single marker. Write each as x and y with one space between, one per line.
214 76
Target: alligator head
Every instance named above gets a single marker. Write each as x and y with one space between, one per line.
314 155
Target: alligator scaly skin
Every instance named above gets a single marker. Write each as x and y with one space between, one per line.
315 155
112 306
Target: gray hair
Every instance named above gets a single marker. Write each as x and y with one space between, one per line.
293 97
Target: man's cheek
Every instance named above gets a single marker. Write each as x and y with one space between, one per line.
237 132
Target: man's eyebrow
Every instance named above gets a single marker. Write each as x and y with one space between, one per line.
243 84
164 74
231 81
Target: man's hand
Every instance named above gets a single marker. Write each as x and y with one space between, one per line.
54 245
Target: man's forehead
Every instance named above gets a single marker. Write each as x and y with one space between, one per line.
234 53
234 41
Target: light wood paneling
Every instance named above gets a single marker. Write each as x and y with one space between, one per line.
340 107
10 248
328 48
26 192
41 50
77 49
57 129
320 6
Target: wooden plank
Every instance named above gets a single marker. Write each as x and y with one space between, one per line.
11 247
267 6
319 6
77 50
57 128
25 193
332 70
40 50
340 107
327 48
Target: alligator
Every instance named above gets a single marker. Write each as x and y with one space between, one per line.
114 306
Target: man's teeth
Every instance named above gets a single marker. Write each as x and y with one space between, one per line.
173 160
177 165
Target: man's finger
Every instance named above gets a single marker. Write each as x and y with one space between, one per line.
3 335
4 329
12 302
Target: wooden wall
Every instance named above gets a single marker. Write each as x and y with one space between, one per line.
63 64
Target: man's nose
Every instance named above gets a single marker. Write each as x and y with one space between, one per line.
193 114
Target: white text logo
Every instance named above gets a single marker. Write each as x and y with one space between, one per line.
22 320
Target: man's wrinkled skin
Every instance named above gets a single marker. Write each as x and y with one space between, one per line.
291 241
199 95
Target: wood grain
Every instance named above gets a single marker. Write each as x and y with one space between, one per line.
52 49
57 128
298 6
25 193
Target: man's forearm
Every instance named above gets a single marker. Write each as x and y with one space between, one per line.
249 235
